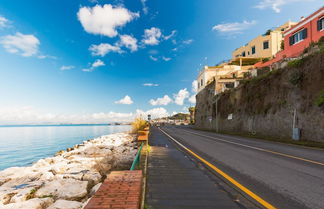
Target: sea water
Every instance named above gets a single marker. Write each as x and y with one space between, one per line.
23 145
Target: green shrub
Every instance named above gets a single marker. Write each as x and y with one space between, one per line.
267 32
319 101
265 59
296 63
282 102
321 44
296 78
282 45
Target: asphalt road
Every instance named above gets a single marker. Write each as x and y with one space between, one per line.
286 176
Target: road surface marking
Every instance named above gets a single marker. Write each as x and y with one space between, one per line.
260 149
226 176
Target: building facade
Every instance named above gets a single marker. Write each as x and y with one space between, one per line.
226 76
264 46
300 36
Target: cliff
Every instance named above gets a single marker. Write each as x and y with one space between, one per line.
268 105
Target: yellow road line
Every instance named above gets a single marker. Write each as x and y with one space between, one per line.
226 176
260 149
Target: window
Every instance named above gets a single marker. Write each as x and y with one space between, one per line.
266 45
229 85
253 49
248 53
243 54
201 82
320 24
297 37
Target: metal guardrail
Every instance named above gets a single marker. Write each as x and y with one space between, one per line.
136 161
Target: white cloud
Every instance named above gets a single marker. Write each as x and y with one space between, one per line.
104 20
161 101
3 22
189 41
276 5
126 100
235 27
25 45
46 56
181 96
173 33
166 58
155 113
67 67
194 86
103 49
192 99
97 63
145 8
152 36
153 58
150 84
94 65
129 42
29 115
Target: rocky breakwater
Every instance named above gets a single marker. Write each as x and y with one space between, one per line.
70 178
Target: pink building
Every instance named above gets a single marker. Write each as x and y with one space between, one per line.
299 37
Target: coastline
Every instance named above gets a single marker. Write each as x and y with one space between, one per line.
68 179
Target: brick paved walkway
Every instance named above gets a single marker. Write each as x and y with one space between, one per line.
174 181
121 189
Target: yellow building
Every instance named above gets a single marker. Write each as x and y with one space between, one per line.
227 76
264 46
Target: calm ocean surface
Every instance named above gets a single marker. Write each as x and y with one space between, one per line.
23 145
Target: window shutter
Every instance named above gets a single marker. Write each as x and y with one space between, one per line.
305 33
291 40
319 25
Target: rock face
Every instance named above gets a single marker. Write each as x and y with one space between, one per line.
264 106
70 177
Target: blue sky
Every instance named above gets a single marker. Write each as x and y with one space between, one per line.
100 61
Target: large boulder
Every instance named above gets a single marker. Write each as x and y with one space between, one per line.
92 177
68 189
66 204
6 194
22 195
35 203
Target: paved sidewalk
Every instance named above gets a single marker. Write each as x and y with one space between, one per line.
174 181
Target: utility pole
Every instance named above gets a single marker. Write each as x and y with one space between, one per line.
216 105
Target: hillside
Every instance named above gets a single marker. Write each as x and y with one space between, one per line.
268 105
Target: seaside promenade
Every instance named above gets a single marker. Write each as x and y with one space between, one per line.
174 181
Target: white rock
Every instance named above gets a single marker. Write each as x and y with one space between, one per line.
26 181
69 189
47 176
6 194
94 189
22 195
35 203
15 172
66 204
92 177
